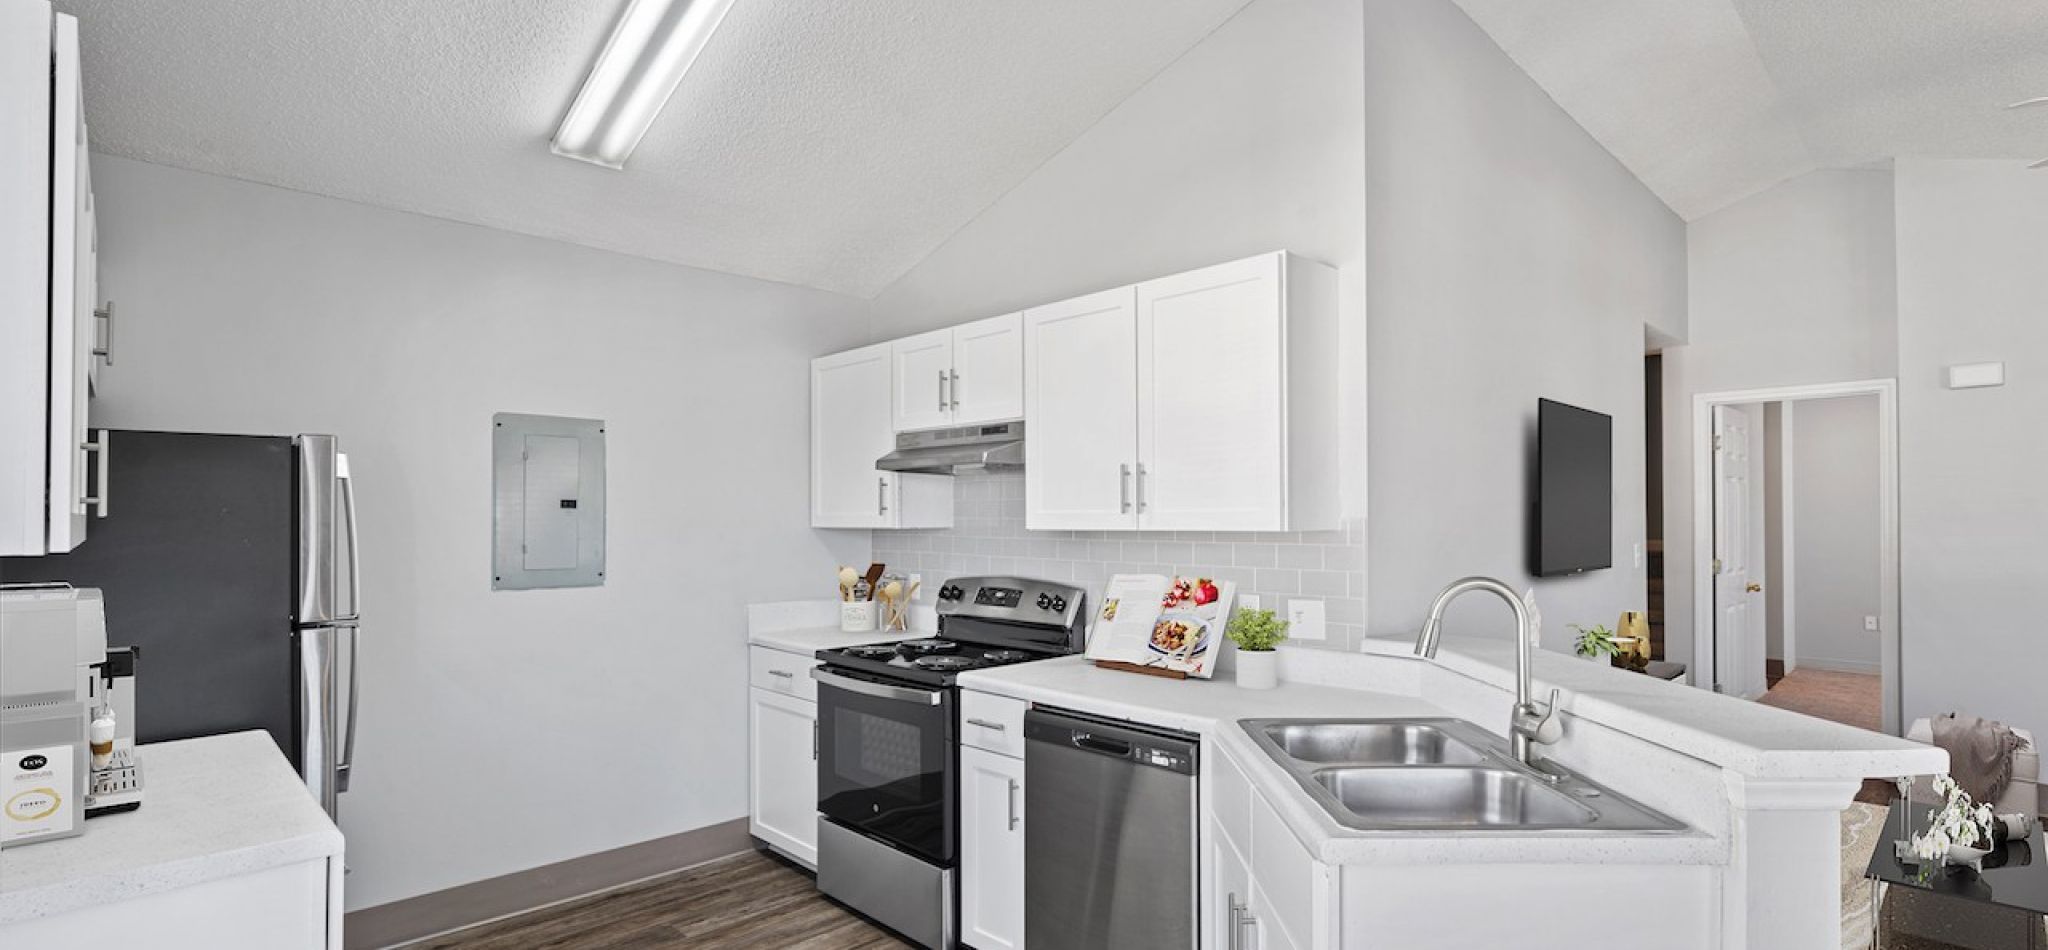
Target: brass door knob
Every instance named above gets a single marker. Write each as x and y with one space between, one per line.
1756 588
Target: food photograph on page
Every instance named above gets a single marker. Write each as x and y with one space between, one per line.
1173 624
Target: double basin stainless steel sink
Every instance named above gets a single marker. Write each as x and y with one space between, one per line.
1440 776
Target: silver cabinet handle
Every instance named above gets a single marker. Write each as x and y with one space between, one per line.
882 495
98 449
955 377
985 724
785 674
814 740
1013 805
105 351
1141 488
1123 488
942 390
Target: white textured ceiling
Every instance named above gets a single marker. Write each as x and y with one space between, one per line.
1710 101
828 144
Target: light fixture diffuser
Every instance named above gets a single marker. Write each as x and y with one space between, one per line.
650 49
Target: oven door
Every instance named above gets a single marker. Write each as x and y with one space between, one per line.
887 762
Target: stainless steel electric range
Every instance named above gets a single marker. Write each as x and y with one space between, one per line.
888 757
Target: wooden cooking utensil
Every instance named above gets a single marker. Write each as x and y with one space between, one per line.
874 574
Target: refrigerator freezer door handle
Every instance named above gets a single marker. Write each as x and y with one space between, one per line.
348 512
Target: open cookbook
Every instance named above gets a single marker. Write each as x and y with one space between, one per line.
1172 623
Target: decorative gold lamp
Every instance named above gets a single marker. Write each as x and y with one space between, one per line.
1632 635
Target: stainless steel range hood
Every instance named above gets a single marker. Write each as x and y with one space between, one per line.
967 449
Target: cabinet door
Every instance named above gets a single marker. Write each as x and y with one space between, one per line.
922 381
988 370
1212 417
25 32
991 850
783 773
1080 412
1230 894
850 429
71 303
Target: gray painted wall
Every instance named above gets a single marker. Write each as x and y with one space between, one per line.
1511 258
1973 286
252 309
1836 541
1792 286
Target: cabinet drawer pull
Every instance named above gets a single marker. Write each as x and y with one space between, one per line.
985 724
785 674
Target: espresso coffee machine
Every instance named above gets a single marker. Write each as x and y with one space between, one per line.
66 704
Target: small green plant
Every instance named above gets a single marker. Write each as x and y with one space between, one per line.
1256 630
1596 641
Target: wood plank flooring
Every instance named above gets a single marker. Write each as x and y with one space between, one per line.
1852 699
749 900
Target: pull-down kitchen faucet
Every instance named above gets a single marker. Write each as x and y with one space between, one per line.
1530 722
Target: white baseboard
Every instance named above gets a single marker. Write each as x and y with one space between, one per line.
1837 666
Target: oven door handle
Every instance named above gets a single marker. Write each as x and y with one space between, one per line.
880 690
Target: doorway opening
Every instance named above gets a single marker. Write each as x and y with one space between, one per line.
1796 549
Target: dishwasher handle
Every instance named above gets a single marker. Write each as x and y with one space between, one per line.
1141 745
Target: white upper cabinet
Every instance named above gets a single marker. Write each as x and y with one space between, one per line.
1205 401
922 380
1081 413
48 269
850 429
988 371
959 376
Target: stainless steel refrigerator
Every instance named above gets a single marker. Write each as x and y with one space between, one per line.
231 562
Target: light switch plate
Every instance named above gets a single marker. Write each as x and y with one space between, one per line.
1305 620
1870 623
1976 375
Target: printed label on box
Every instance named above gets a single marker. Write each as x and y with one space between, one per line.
33 786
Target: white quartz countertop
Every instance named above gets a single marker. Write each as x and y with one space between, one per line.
807 626
212 808
1212 708
1749 738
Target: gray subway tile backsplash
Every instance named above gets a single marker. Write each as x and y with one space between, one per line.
989 537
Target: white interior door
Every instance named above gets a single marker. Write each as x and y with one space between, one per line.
1738 610
1212 421
1080 401
988 370
922 390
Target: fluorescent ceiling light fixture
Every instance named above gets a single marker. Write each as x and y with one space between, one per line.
650 50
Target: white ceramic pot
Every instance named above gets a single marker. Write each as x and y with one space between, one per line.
857 616
1258 669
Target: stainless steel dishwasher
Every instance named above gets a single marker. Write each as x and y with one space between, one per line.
1109 834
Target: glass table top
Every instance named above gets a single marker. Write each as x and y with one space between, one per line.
2014 876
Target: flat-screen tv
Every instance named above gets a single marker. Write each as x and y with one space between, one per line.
1574 530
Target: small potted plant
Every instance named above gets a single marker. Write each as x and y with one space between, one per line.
1595 642
1256 633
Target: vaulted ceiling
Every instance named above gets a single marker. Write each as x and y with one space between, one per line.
827 144
1710 101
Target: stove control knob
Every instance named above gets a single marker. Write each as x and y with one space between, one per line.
949 592
1045 601
1059 604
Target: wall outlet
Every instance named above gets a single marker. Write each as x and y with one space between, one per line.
1870 624
1248 602
915 593
1305 620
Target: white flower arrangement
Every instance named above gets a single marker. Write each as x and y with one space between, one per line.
1958 822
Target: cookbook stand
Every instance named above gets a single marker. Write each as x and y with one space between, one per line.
1139 668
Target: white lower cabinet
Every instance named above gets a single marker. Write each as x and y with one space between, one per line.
1266 891
991 850
783 773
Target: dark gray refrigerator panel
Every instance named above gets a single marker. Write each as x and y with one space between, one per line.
197 562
